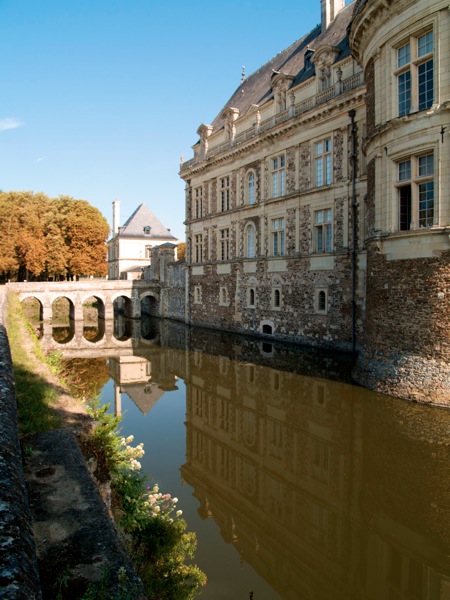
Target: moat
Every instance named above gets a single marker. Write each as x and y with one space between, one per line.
298 483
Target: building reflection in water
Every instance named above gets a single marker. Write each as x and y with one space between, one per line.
144 381
328 490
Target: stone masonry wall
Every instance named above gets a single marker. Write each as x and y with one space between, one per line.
297 319
406 348
19 578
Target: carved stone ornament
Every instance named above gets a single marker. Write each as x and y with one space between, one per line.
325 56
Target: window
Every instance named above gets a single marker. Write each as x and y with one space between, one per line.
197 294
251 298
224 244
276 298
321 304
414 72
323 230
325 79
225 194
278 237
251 188
147 230
148 251
198 248
323 162
278 176
223 296
198 203
250 241
416 192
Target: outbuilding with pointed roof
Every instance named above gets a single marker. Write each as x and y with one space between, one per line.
129 250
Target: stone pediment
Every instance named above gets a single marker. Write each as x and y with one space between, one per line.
324 56
281 81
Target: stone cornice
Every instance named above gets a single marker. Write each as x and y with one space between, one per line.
287 128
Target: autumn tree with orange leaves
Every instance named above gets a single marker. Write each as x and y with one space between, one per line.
50 238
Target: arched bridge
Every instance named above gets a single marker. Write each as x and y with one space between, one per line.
137 296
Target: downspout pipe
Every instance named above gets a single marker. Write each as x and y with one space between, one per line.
352 114
188 253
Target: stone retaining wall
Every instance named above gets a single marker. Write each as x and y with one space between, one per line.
19 575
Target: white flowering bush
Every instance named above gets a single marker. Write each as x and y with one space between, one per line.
161 505
130 454
153 526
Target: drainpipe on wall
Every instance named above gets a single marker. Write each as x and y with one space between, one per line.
188 255
351 114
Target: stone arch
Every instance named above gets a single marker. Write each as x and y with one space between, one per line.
24 297
266 326
100 300
71 306
122 305
150 304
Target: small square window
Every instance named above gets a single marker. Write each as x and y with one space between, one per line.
403 55
404 170
425 44
426 165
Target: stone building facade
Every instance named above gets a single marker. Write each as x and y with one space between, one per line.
315 201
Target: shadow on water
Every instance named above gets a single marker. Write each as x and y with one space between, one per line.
316 488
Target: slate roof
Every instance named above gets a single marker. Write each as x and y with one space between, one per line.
256 89
143 217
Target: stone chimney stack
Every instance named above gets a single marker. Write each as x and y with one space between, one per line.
330 9
116 216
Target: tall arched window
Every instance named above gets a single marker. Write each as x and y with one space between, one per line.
250 241
251 188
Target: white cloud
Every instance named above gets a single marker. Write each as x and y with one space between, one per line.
10 123
41 158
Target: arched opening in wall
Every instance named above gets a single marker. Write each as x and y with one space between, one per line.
63 334
122 328
150 328
93 309
63 311
122 307
267 329
150 306
93 319
33 311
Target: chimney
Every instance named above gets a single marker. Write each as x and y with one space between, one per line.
330 9
116 216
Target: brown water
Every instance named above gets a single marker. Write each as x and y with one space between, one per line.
298 484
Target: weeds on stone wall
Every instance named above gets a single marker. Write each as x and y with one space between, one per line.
152 527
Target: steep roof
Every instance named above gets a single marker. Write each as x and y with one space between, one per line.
143 217
256 89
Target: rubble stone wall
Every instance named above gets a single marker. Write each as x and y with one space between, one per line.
19 576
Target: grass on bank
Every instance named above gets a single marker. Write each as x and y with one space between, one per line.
153 530
35 395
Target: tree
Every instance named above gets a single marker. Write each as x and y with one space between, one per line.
43 237
181 251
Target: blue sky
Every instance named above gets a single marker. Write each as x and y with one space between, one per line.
101 98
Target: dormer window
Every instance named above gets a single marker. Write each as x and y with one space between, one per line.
147 230
323 60
325 79
281 82
307 61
